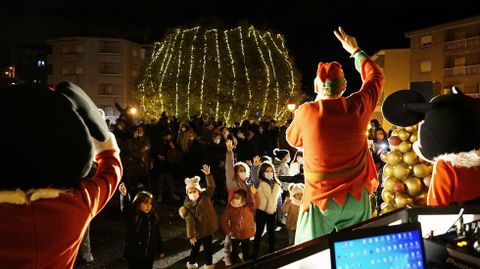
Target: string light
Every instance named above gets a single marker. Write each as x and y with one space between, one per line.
287 59
234 76
277 85
218 58
160 86
267 82
203 70
190 71
246 74
196 80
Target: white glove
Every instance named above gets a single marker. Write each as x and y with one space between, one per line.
110 144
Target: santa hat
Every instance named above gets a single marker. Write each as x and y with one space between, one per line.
280 153
294 188
451 122
193 183
330 76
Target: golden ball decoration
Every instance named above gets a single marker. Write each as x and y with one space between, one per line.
426 180
413 137
405 146
404 135
394 157
387 171
414 186
402 200
387 207
400 171
410 158
421 199
387 196
388 184
421 170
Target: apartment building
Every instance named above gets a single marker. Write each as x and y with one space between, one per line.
395 64
105 68
448 53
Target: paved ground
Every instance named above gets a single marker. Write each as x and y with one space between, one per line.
108 231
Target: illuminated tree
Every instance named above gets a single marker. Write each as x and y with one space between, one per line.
227 74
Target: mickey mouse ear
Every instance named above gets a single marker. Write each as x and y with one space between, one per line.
405 108
85 107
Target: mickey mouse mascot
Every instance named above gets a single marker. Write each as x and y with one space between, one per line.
49 140
449 137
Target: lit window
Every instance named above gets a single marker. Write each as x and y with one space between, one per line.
426 66
426 41
65 71
78 49
40 63
64 49
459 61
79 70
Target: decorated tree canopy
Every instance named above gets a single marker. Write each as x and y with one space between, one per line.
227 74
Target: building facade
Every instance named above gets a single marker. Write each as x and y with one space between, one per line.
395 64
448 53
105 68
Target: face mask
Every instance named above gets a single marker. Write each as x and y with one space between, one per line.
193 196
216 141
184 129
241 136
300 160
191 138
251 121
242 175
260 130
268 176
236 203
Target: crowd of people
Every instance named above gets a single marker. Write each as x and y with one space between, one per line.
241 167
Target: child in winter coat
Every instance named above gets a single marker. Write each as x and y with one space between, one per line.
144 242
291 207
200 217
282 158
296 166
269 190
237 222
237 176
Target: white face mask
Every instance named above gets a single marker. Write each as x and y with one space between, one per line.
216 141
268 176
237 203
242 175
300 160
193 196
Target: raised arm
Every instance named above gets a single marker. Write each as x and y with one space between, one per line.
210 181
229 171
372 75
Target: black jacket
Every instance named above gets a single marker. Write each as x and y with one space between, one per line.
143 237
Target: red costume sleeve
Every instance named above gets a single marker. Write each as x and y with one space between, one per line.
98 190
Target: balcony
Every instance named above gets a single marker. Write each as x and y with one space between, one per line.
462 44
468 70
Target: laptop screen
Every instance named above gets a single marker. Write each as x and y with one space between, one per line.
399 246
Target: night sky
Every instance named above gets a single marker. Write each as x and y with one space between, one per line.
307 25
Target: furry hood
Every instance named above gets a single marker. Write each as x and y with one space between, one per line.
20 197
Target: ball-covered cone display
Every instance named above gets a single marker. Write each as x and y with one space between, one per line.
405 176
394 157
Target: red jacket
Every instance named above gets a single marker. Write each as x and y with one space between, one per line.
46 233
453 183
332 132
238 221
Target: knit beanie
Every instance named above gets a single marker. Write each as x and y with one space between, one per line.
193 183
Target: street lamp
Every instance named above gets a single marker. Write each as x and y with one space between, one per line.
291 107
132 111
